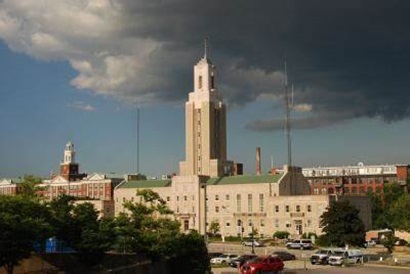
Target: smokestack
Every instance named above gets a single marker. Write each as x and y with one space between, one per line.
258 161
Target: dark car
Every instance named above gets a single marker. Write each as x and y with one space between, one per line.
241 260
265 264
284 255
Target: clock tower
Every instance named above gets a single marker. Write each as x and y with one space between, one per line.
68 167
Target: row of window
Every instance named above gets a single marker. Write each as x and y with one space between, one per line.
262 223
298 208
348 180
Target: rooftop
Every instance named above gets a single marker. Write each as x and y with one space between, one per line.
245 179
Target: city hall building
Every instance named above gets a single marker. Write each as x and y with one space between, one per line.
210 188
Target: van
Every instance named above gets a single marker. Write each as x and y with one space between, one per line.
300 244
343 257
321 256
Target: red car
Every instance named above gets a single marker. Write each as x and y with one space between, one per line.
271 264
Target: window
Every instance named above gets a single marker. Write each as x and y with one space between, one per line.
324 190
186 225
298 208
316 191
200 81
250 222
276 223
216 197
217 209
309 223
261 203
227 197
238 203
262 223
309 208
288 225
185 198
287 208
228 224
276 208
250 203
177 198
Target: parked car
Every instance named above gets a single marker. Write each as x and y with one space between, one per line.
214 254
401 242
300 244
238 262
249 243
223 259
271 264
321 256
370 243
284 255
343 257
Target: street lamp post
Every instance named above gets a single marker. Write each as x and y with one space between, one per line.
252 241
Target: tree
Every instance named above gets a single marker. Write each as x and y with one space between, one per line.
149 228
214 228
281 234
400 213
388 241
190 251
22 222
342 225
381 204
154 227
79 227
29 187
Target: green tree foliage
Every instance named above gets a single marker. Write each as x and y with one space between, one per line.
149 227
191 254
22 222
29 187
79 226
382 203
152 225
388 242
342 225
214 227
400 213
281 234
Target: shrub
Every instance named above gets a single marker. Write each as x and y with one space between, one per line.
281 234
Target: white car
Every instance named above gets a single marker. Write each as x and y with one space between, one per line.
343 257
252 242
224 259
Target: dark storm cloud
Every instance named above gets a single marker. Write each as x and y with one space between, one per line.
347 59
343 56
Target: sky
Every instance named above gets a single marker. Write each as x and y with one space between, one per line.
78 70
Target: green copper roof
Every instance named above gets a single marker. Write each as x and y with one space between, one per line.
145 184
245 179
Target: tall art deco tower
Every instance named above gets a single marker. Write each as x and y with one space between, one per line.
205 126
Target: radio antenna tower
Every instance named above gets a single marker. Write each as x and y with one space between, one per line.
138 138
288 107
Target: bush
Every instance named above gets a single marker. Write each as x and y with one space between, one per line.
309 235
232 239
323 240
281 234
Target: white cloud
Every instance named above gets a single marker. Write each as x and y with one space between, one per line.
302 107
81 106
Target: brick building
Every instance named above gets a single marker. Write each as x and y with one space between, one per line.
355 180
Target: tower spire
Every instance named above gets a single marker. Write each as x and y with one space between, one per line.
205 48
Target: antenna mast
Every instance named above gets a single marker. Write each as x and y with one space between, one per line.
206 48
138 138
288 108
